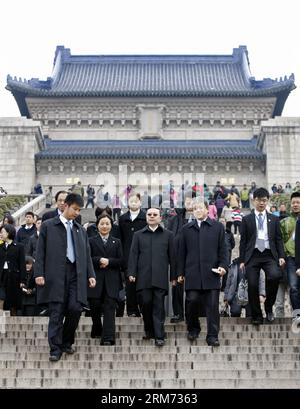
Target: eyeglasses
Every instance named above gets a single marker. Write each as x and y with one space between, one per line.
153 214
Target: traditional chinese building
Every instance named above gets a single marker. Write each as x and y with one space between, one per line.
172 114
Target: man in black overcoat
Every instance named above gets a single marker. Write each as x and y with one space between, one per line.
201 248
261 247
60 206
151 254
63 271
130 222
175 224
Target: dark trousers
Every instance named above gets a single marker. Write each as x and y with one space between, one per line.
29 310
177 299
273 273
236 309
61 333
228 225
294 283
153 311
108 306
237 226
211 303
131 299
90 201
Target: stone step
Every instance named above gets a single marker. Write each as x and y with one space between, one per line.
231 321
20 343
161 356
15 330
100 374
212 383
129 365
182 349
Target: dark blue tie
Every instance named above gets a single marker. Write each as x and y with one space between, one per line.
260 222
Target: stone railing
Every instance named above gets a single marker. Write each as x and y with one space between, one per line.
36 206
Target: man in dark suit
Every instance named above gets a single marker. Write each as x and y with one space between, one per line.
60 206
261 247
175 224
63 270
151 254
130 222
26 230
201 249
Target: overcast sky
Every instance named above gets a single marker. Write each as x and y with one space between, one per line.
30 30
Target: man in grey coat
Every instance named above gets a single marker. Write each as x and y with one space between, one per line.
63 271
151 254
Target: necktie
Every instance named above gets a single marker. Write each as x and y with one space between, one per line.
70 244
260 242
260 222
104 240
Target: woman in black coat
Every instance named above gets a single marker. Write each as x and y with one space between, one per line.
106 253
12 270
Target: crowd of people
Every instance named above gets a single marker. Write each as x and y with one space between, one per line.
125 262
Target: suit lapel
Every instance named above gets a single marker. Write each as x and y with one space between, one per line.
253 223
269 221
109 244
100 245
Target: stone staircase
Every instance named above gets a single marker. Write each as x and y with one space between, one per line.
268 357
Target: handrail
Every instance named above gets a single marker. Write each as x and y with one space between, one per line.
36 206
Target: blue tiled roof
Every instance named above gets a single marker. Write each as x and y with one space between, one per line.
151 149
150 76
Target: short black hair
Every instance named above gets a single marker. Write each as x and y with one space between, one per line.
295 194
29 260
261 192
10 219
11 231
58 193
29 213
132 194
99 210
74 198
154 207
102 216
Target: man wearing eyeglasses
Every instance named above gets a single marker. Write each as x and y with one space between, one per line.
261 247
151 254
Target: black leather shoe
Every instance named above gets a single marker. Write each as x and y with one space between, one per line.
54 358
213 342
175 319
257 321
148 335
107 343
191 336
68 350
270 317
159 342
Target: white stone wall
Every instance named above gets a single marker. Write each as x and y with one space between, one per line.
20 139
280 138
135 118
